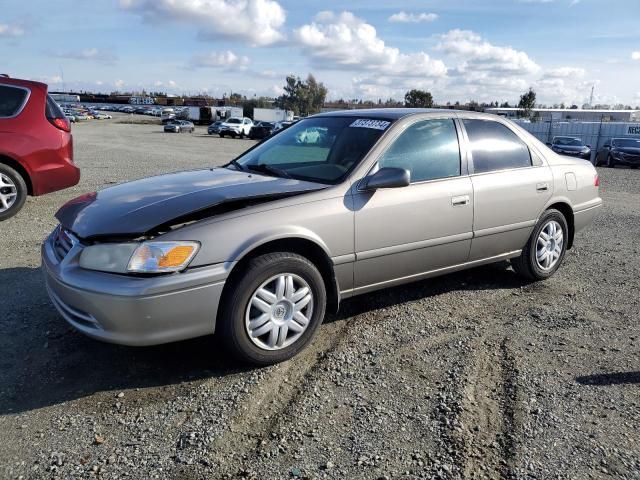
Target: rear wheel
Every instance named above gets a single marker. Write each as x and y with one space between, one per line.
273 309
13 192
545 250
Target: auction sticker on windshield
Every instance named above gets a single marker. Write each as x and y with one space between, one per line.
368 123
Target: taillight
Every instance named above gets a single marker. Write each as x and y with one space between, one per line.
61 123
596 181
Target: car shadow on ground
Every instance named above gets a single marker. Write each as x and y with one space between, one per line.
608 379
45 362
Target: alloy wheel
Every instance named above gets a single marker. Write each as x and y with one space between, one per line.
279 311
8 192
549 245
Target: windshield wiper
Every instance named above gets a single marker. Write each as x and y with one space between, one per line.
264 168
236 164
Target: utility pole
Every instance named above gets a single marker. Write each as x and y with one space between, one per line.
591 96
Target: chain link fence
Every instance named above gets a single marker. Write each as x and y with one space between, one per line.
594 134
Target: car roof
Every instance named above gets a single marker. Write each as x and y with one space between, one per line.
18 82
398 113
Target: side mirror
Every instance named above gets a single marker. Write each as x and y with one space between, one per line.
388 177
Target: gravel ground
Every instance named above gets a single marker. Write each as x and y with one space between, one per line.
471 375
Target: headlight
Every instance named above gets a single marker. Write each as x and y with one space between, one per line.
145 257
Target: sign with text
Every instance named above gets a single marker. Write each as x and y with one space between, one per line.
633 129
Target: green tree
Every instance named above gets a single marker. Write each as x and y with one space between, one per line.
527 102
418 99
302 97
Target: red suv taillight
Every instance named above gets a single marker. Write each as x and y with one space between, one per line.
61 123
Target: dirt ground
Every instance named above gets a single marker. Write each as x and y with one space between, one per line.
472 375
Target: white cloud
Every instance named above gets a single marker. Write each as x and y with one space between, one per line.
119 83
565 72
91 54
12 30
344 41
259 22
635 55
478 54
225 60
403 17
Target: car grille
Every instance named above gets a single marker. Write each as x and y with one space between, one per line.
63 242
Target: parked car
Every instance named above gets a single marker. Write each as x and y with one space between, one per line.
179 126
260 249
36 149
101 116
620 151
571 146
214 127
262 130
236 127
281 125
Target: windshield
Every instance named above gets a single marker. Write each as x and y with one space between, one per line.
627 142
320 149
234 120
567 141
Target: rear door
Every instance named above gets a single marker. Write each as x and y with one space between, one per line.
401 233
511 186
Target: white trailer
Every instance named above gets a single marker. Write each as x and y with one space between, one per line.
201 115
271 115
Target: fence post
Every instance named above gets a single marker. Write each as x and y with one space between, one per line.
594 157
549 131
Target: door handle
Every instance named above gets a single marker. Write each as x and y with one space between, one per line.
542 187
460 200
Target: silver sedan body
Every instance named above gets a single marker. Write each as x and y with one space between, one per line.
360 239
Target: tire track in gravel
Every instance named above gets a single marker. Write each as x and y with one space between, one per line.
487 421
276 392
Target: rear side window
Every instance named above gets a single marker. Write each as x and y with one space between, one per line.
428 149
495 147
11 100
53 110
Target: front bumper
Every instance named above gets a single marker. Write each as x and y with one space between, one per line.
630 160
132 310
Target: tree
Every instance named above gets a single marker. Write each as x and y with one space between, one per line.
303 98
527 102
418 99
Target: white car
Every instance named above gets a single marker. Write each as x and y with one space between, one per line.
236 127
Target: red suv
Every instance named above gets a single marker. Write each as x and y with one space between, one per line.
36 149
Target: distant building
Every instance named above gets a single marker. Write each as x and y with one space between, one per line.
142 100
65 97
568 114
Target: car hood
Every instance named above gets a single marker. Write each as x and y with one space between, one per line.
138 207
570 148
628 150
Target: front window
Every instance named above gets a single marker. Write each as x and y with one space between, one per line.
626 143
320 149
234 120
568 142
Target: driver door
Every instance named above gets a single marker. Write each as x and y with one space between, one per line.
401 233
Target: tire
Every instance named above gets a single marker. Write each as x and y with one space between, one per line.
611 163
528 265
221 135
13 192
263 273
241 134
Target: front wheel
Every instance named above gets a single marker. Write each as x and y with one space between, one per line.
273 309
13 192
611 163
545 250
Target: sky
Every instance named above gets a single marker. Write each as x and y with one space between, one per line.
460 50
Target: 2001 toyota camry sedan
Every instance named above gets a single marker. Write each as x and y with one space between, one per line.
336 205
